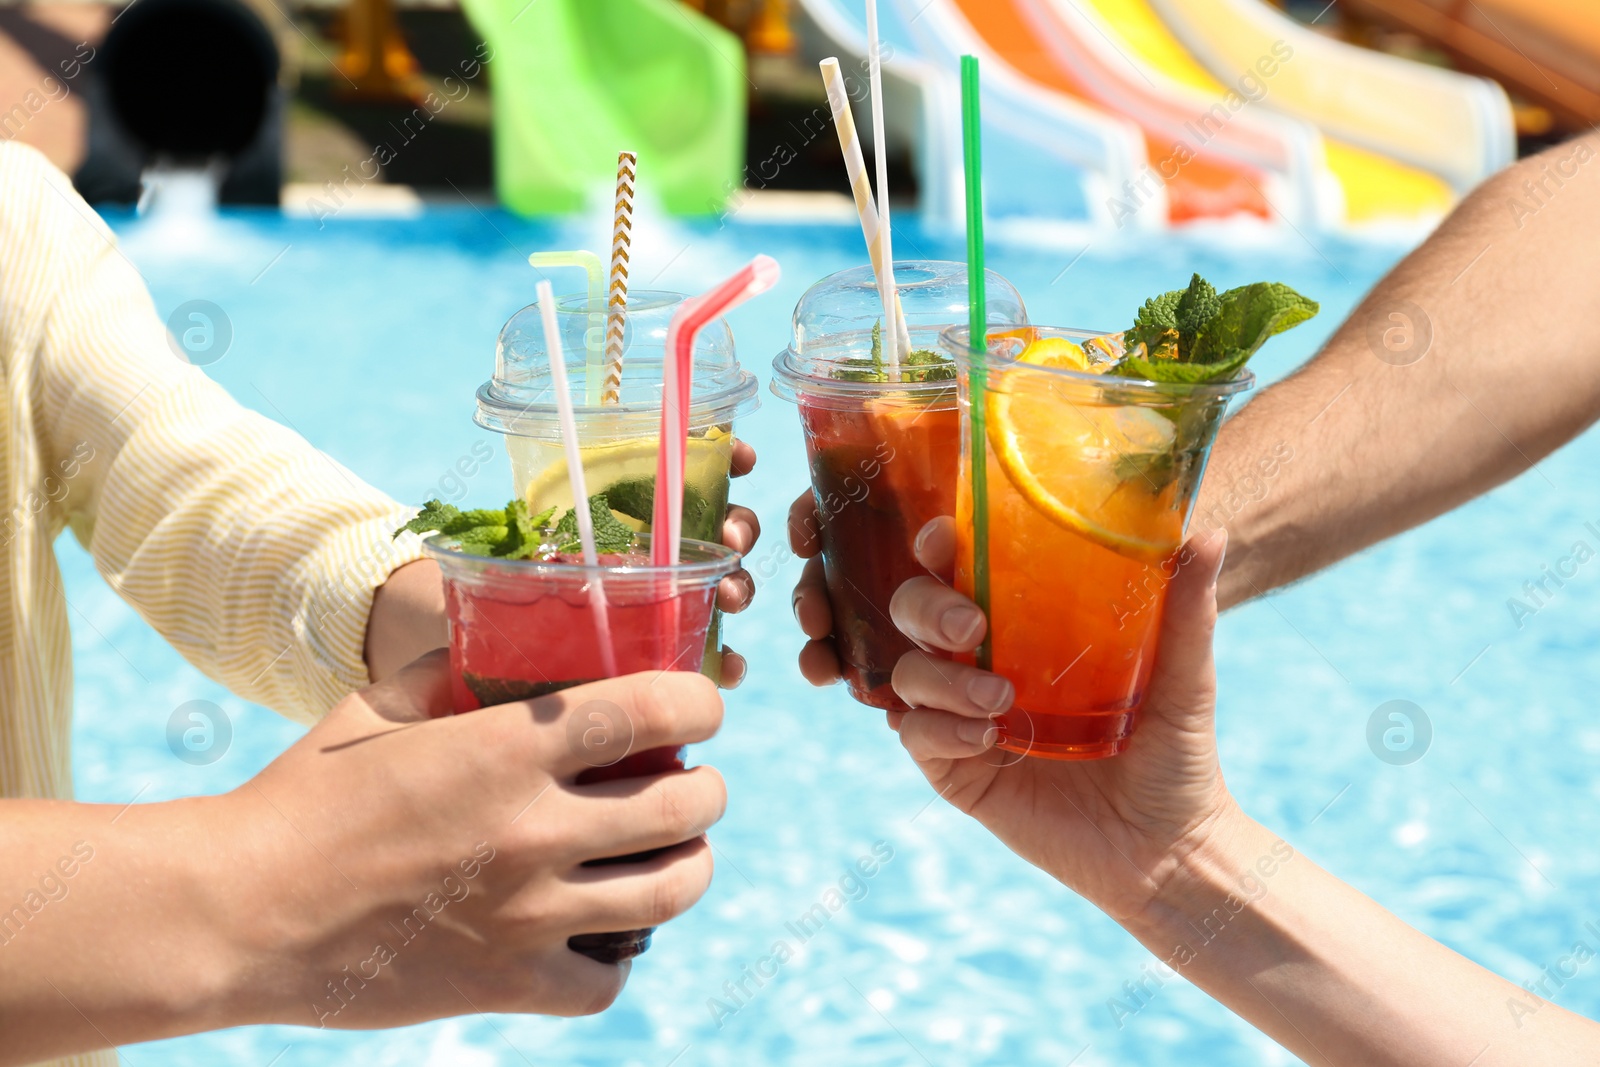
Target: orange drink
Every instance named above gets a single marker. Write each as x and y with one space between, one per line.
1090 481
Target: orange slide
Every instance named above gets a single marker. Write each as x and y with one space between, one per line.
1547 51
1200 183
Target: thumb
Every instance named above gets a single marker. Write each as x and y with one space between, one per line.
1183 684
420 690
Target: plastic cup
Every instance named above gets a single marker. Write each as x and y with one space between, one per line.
1091 480
883 455
522 629
619 441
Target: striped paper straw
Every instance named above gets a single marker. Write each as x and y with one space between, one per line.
855 166
594 337
617 300
880 156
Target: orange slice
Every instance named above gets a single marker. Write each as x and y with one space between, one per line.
1086 466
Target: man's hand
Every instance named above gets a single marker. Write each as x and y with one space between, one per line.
408 615
1111 829
819 662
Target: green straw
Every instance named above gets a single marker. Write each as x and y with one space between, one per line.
978 371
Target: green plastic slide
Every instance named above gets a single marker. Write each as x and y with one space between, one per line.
577 81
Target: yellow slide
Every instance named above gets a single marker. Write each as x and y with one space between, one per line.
1376 187
1453 125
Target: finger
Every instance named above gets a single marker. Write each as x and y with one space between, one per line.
735 592
819 662
634 713
740 529
805 533
923 681
628 896
935 735
1183 682
419 690
812 608
628 815
936 616
936 547
734 668
744 458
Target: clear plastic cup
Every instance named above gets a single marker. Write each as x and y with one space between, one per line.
522 629
619 441
884 455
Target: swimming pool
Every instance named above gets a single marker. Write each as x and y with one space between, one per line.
369 338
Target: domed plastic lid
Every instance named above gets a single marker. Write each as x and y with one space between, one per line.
833 323
520 398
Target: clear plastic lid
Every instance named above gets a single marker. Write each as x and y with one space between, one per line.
520 399
833 324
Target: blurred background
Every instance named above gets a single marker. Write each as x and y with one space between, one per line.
1364 112
344 196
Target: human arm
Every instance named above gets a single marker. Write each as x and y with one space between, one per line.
1471 361
268 904
1154 839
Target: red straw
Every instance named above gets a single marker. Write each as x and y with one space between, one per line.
666 521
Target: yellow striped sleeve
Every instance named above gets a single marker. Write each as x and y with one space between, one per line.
254 554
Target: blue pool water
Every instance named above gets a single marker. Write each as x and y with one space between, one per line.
369 338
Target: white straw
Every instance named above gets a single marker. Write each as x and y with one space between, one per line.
880 156
855 168
580 491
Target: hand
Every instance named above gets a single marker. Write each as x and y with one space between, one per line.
1111 829
819 662
390 805
740 531
408 615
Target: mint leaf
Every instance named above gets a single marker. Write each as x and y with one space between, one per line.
1248 316
1198 305
635 497
1170 370
435 515
1160 312
924 365
610 535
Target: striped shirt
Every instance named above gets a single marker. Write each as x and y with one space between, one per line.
252 553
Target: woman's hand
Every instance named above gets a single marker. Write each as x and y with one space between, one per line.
819 663
1112 829
391 804
740 531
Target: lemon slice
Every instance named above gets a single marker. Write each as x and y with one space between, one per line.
604 465
1079 463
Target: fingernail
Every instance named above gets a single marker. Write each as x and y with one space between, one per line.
989 691
961 624
922 538
794 606
977 732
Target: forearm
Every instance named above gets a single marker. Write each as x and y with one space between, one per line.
118 925
407 619
1335 978
1470 362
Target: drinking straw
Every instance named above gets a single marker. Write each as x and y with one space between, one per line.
855 167
666 520
880 156
590 264
617 302
580 491
977 342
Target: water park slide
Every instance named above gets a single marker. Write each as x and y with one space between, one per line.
1202 179
1045 156
577 80
1372 187
1451 125
1546 50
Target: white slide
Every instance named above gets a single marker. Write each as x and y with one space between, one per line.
1454 125
1045 156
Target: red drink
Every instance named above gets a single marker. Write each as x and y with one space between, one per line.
880 471
522 629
